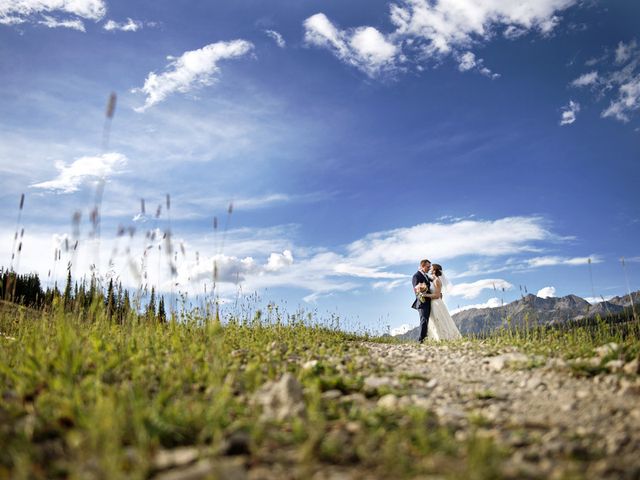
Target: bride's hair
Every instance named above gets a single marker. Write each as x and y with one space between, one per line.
437 269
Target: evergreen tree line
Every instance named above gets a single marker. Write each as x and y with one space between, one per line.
27 290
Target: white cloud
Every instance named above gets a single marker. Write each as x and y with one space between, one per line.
586 79
20 11
404 328
491 303
72 176
512 32
432 29
596 300
466 61
192 69
442 241
364 47
229 268
618 80
278 261
546 292
54 23
276 38
569 113
390 285
448 25
628 100
474 289
624 51
364 272
552 261
129 26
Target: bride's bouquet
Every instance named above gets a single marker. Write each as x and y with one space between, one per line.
421 292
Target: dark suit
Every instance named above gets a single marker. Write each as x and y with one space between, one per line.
424 308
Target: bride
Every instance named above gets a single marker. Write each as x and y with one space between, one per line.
441 326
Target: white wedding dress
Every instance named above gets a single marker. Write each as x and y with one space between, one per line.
441 325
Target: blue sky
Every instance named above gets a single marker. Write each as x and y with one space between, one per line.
499 140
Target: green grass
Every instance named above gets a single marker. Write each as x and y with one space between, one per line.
86 398
574 343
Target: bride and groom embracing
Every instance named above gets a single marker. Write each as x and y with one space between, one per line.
435 320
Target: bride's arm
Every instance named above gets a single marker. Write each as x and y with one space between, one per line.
437 292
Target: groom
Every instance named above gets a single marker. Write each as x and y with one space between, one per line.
424 308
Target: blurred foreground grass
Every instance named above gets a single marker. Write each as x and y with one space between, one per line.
88 398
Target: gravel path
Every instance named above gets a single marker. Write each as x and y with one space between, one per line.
551 420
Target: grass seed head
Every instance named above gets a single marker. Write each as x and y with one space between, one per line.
111 105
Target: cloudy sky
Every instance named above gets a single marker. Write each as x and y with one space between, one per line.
498 138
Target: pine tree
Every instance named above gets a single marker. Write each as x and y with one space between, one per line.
162 313
110 300
66 299
151 308
126 306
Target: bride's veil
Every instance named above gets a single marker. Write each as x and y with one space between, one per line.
447 286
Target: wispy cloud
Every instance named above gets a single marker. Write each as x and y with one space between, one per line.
51 22
442 241
276 38
192 69
569 113
554 260
586 79
617 80
387 286
491 303
13 12
71 177
474 289
129 26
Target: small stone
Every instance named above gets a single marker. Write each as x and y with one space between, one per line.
331 395
176 457
632 367
582 394
499 362
614 365
535 382
205 469
373 384
388 402
609 348
310 365
352 427
356 398
282 399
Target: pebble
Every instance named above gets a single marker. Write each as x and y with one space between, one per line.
281 399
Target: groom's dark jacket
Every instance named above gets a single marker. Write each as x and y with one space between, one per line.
420 277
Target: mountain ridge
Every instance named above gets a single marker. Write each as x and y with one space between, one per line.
532 310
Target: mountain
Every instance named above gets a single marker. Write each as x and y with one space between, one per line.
625 300
532 310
